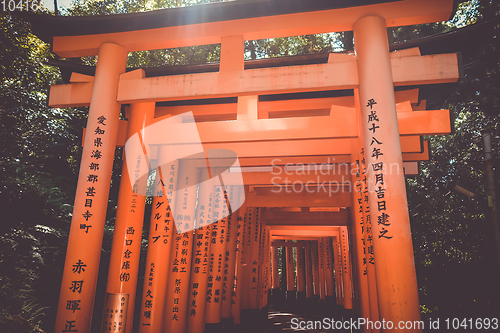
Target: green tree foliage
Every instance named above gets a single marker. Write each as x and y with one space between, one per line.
452 234
38 160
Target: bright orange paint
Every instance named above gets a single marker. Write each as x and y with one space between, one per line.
395 268
127 234
85 237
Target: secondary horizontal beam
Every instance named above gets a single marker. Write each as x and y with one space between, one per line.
318 200
306 223
410 70
309 217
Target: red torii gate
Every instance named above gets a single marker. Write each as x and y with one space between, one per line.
367 136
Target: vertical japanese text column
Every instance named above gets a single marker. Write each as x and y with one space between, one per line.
177 292
393 250
329 279
359 224
346 267
254 261
230 255
201 258
159 243
217 251
127 235
247 266
370 259
76 300
236 294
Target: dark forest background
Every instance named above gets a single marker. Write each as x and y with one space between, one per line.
40 149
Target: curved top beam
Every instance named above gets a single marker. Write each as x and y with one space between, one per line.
206 24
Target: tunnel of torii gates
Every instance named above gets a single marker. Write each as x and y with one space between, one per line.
321 175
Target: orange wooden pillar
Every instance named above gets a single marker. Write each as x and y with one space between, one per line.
177 293
315 266
200 259
246 269
329 277
81 266
321 260
338 271
301 278
238 278
308 270
260 265
359 225
230 258
127 234
275 278
346 268
268 267
393 250
254 261
265 267
370 259
290 273
159 246
216 268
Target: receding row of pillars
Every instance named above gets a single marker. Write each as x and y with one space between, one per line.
319 271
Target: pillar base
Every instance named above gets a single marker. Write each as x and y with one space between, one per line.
213 328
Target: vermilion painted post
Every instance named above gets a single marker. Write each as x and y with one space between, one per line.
200 260
315 264
217 251
346 268
254 261
290 273
301 279
246 266
309 270
230 257
267 275
159 246
338 271
177 294
127 234
321 260
275 280
237 290
359 223
370 259
81 266
264 270
393 250
329 279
